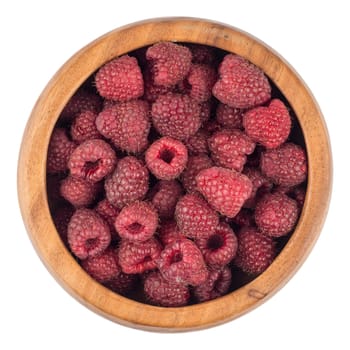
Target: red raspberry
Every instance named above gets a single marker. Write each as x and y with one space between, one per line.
194 165
206 109
164 196
84 128
245 217
128 182
166 158
123 283
194 217
120 79
61 217
229 117
138 257
220 247
161 292
59 151
79 192
108 213
103 267
202 53
198 143
276 214
255 251
80 102
298 193
285 165
92 160
229 148
126 124
225 190
169 62
88 234
152 91
182 262
216 285
270 126
201 79
176 115
241 84
137 222
169 232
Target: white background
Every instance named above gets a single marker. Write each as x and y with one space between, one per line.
311 311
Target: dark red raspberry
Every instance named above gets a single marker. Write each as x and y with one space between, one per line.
137 222
84 128
220 247
245 217
138 257
241 84
108 213
229 148
59 151
123 284
161 292
126 124
212 126
225 190
88 234
202 53
285 165
169 232
194 165
103 267
79 192
92 160
120 79
176 115
194 217
164 196
255 251
270 126
182 262
81 101
298 193
152 91
216 285
198 143
128 182
169 62
166 158
229 117
61 217
276 214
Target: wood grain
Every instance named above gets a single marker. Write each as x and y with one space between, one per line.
32 169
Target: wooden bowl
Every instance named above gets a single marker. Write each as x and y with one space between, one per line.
32 175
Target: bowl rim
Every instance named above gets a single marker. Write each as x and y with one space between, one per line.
31 175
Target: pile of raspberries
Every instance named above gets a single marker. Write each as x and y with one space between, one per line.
173 171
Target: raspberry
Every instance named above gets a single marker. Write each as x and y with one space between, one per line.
194 165
138 257
61 217
137 222
103 267
84 128
270 126
202 53
229 148
276 214
201 79
182 262
126 124
88 234
176 115
123 283
229 117
255 251
206 108
92 160
169 232
169 62
285 165
128 182
194 217
79 192
166 158
152 91
161 292
241 84
217 284
198 143
245 217
80 102
225 190
220 247
59 151
164 196
120 79
108 213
